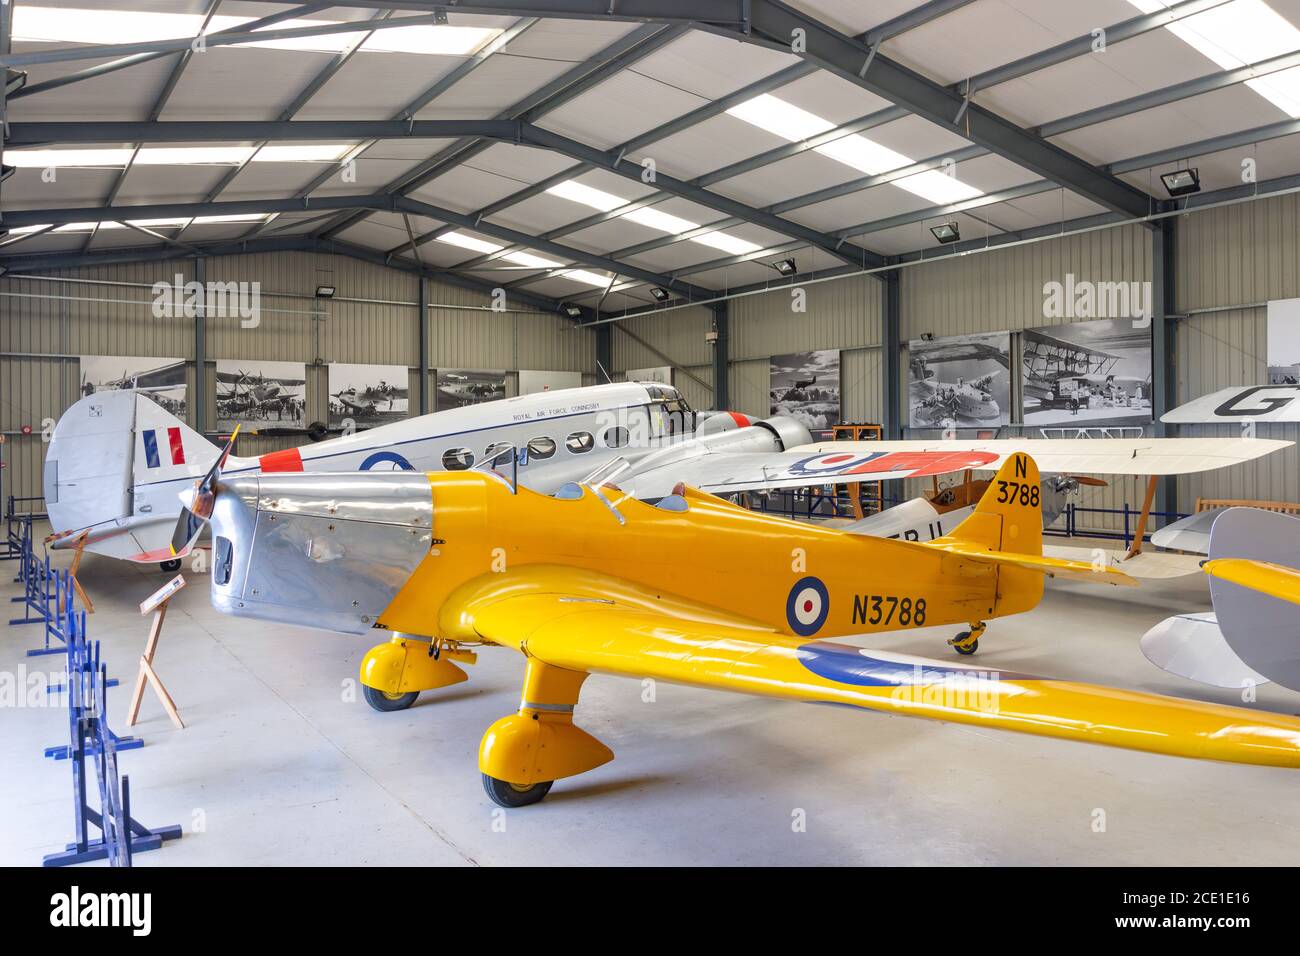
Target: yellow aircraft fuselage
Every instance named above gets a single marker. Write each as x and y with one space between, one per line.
792 577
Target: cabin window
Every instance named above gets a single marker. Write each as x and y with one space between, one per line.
540 449
616 436
457 459
497 448
579 443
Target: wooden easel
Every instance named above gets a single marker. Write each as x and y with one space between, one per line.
157 603
86 602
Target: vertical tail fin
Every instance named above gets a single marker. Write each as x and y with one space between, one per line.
103 449
1009 518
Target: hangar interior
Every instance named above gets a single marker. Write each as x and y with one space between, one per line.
595 189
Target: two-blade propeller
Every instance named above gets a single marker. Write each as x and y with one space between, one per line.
195 514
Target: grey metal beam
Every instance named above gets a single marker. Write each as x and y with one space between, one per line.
1169 94
52 261
430 211
200 131
95 52
160 104
427 96
723 13
917 16
604 352
677 187
327 73
102 69
1084 45
383 202
1203 147
614 57
834 51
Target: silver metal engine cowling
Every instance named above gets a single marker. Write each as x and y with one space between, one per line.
789 433
327 551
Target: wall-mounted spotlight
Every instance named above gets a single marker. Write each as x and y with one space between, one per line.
1181 182
786 267
659 292
947 232
15 80
325 291
6 172
571 310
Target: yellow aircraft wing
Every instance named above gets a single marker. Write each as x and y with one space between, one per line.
1276 580
604 625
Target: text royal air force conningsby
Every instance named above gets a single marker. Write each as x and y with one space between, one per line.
691 589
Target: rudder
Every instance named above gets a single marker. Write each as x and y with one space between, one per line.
1009 517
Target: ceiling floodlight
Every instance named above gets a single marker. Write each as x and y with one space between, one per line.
325 291
571 310
947 231
660 294
15 80
1181 182
786 267
6 172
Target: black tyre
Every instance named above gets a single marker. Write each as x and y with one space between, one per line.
172 566
966 649
318 431
513 795
385 702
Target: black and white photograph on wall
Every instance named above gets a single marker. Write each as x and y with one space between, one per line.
805 386
1087 373
257 394
367 395
162 379
959 381
1284 342
459 387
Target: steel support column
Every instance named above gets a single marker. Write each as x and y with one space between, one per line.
891 347
200 347
422 333
1164 367
721 355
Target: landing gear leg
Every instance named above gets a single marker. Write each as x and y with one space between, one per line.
968 642
523 754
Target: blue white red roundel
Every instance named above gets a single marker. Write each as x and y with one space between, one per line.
807 606
830 463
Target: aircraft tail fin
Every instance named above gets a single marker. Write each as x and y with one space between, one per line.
1009 517
101 450
1006 530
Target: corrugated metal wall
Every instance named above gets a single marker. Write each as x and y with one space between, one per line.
45 325
673 338
1229 259
845 315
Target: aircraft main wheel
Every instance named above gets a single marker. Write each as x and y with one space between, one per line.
170 566
385 702
512 795
966 649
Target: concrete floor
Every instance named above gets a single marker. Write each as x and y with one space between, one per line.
283 763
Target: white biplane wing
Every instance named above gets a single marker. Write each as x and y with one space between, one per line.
1087 456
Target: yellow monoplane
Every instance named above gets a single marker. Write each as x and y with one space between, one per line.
690 589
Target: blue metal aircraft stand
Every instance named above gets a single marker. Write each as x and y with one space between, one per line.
121 835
